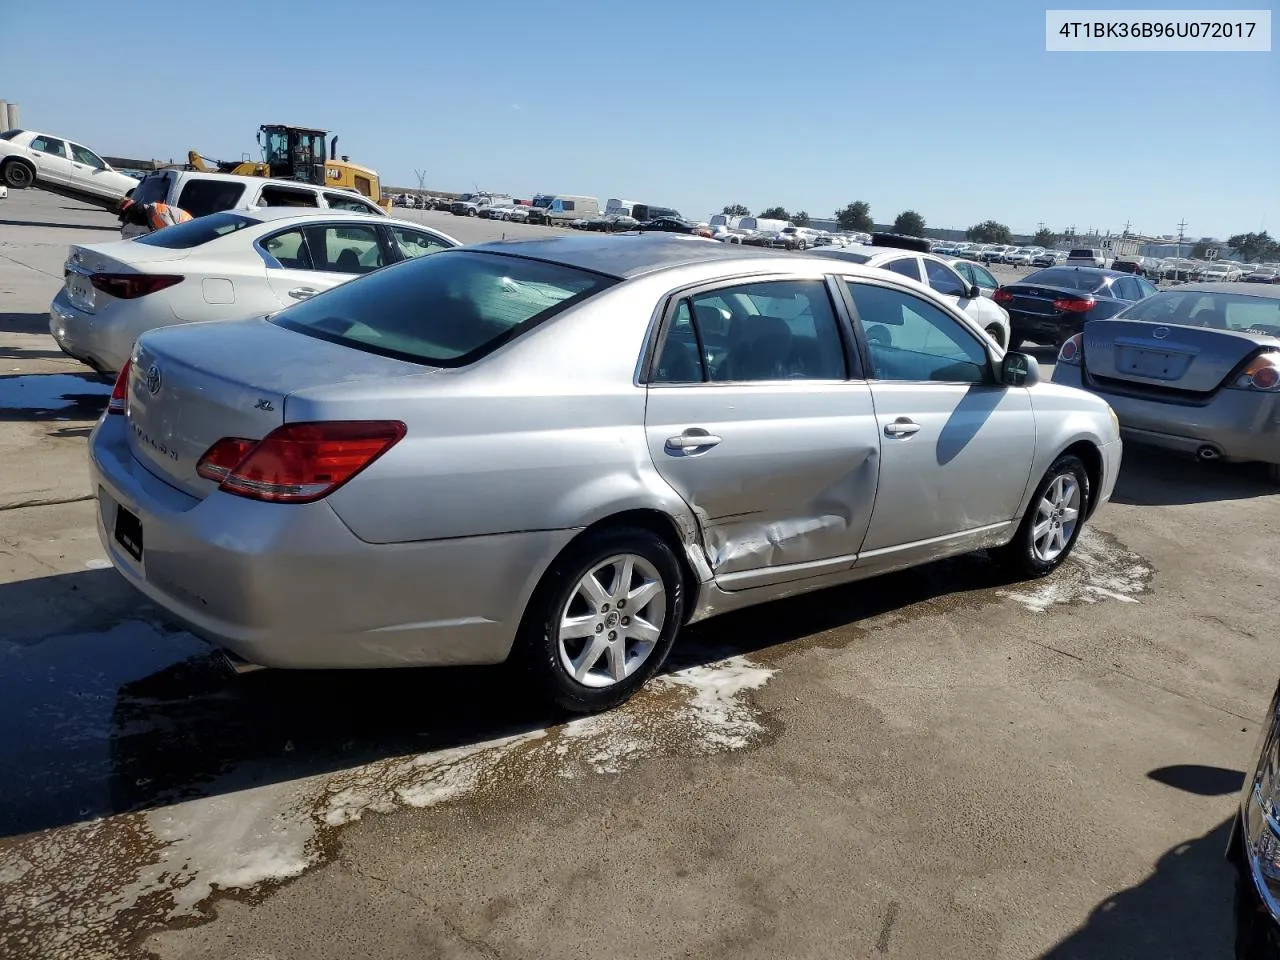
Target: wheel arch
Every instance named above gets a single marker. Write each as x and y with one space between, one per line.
1091 457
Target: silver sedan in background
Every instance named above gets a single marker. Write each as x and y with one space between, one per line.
1194 369
563 450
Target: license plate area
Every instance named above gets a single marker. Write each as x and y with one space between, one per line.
128 532
80 291
1151 364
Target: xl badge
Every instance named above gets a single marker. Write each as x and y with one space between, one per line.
153 379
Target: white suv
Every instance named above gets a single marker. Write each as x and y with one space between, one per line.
201 194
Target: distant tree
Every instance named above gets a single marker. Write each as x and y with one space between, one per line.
856 216
1252 246
988 231
800 218
775 213
1045 237
1199 248
909 223
736 210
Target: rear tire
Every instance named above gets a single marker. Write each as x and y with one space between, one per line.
996 334
1053 521
580 643
19 174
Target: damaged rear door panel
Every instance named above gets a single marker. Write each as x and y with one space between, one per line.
751 419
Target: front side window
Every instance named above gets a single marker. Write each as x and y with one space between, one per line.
907 266
193 233
87 157
447 310
913 340
154 188
416 243
944 280
773 330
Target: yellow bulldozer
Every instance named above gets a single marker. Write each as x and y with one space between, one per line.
298 153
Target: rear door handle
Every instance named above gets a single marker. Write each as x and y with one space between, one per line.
902 427
692 441
301 293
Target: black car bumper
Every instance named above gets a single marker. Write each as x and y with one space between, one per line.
1257 935
1046 331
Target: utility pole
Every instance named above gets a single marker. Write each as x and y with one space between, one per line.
1127 225
422 180
1182 232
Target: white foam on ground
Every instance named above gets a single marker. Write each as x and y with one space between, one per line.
1098 569
61 890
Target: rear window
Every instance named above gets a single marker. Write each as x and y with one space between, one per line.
193 233
1220 311
1083 253
203 197
446 310
1068 277
153 189
9 134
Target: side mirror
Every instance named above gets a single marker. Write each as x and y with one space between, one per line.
1019 370
973 292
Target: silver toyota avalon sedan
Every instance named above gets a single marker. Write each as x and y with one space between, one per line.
563 450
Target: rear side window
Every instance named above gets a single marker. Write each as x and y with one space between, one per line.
347 201
285 197
154 189
907 266
446 310
203 197
193 233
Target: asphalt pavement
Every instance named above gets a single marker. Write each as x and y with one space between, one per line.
937 763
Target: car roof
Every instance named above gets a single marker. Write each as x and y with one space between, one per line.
625 255
1261 291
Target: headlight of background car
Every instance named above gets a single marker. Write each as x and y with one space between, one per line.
1262 815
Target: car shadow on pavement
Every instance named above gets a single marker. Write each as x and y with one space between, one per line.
117 711
36 323
1183 909
1151 478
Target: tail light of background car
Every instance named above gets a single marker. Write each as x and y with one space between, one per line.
1260 373
298 462
1070 351
131 286
120 392
1075 304
1002 296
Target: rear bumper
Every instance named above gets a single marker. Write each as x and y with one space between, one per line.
1047 331
290 585
1238 425
80 337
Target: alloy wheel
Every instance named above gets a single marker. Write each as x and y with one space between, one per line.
612 621
1056 517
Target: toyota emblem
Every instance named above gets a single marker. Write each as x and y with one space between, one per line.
1160 333
153 380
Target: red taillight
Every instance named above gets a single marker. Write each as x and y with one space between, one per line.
299 462
1002 296
120 392
1070 350
131 286
1075 304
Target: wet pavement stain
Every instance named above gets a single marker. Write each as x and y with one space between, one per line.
1099 568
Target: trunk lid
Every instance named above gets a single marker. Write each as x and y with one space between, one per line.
120 256
195 384
1038 300
1166 356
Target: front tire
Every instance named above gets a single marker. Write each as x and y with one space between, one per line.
1052 523
603 619
996 334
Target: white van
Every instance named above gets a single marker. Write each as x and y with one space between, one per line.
621 208
201 194
565 207
762 225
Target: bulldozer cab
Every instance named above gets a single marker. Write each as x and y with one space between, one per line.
297 153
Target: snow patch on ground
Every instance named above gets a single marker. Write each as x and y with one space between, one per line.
1098 569
73 892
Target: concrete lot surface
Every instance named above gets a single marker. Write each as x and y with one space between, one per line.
935 764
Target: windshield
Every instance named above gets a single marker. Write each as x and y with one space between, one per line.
1068 277
1239 312
445 310
192 233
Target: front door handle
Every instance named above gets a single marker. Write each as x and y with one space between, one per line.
902 427
692 441
301 293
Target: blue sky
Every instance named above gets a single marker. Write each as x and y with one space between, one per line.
952 109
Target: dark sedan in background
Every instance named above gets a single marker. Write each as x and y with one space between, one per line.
673 225
1193 369
1049 306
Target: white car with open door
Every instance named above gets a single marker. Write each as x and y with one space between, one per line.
225 266
32 159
